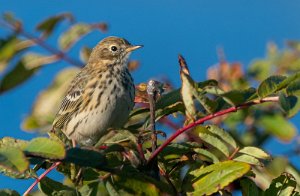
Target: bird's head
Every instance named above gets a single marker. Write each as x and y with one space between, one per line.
112 50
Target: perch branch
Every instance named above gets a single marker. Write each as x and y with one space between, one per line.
209 117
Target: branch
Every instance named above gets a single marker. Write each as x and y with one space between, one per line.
42 43
54 165
152 92
209 117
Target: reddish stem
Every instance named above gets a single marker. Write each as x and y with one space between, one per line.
54 165
236 150
209 117
141 153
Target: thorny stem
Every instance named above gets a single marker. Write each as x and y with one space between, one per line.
209 117
43 44
54 165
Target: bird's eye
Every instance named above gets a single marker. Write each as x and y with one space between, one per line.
114 48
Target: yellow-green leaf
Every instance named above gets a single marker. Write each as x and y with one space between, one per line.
222 134
215 142
207 154
12 142
47 26
248 159
33 60
187 94
73 34
255 152
13 159
278 126
212 178
46 148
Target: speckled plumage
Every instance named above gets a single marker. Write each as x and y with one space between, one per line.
100 96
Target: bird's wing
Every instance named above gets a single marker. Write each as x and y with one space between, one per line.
71 101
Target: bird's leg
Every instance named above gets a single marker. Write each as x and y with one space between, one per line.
73 143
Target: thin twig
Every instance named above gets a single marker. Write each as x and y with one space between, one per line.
152 92
153 89
236 150
54 165
43 44
209 117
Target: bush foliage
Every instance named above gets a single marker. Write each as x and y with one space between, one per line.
216 128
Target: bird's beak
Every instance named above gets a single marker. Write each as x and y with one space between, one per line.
132 48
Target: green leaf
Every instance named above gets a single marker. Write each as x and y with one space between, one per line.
174 96
212 178
277 166
278 126
215 142
29 173
209 105
93 188
73 34
47 26
51 187
187 90
283 185
215 137
121 136
85 158
294 88
255 152
8 48
207 154
8 192
270 86
287 81
33 60
222 134
290 104
248 159
16 77
249 188
176 150
12 142
46 148
13 160
46 104
111 189
236 97
136 183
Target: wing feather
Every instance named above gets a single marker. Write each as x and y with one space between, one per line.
72 100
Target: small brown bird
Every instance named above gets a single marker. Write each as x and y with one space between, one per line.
100 96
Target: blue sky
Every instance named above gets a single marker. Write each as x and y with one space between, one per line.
194 28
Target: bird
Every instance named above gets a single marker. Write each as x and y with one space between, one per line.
100 96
